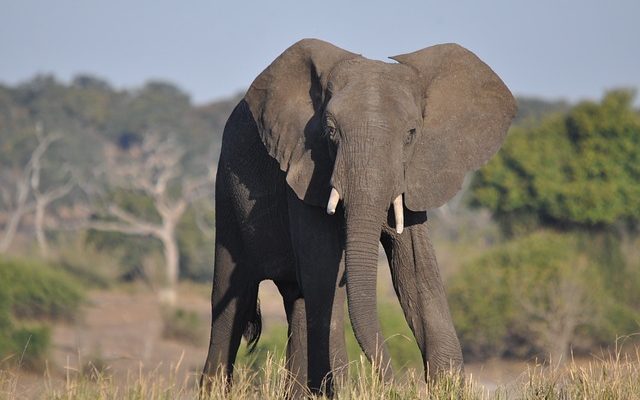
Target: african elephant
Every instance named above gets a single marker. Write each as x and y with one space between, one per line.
327 155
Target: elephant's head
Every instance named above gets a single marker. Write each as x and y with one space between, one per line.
376 135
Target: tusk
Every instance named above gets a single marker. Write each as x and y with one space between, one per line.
399 214
334 197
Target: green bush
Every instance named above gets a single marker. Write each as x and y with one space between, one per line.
6 325
31 345
38 290
539 295
30 290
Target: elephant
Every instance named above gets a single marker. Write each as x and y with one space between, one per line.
327 155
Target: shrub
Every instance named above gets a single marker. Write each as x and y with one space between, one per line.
537 295
6 325
37 290
32 290
31 345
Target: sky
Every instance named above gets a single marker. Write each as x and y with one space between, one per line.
555 49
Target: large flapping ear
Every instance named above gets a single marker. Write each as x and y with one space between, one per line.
286 101
467 111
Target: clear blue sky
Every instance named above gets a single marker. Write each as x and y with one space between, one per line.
570 49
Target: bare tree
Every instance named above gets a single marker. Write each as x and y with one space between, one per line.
152 169
553 312
42 199
15 189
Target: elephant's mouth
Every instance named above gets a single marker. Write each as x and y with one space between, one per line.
398 211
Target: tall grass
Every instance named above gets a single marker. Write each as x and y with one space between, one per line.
616 377
613 378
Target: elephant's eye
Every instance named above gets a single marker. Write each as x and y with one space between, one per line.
330 130
411 134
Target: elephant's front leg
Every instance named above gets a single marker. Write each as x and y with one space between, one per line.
417 282
297 337
317 244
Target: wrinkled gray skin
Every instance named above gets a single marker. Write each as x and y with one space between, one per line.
318 118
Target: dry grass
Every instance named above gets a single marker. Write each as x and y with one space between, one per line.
616 377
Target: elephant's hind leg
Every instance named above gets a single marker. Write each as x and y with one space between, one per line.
234 311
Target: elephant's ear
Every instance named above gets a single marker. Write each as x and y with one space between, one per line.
467 111
286 101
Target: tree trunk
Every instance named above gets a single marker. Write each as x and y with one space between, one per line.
168 293
39 227
10 230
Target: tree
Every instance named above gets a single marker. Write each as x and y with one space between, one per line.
579 169
151 169
44 198
25 194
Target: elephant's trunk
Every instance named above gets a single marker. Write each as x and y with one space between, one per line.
363 226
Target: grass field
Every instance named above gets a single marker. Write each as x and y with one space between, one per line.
616 377
120 349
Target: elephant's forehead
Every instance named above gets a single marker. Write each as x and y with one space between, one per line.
388 83
364 86
364 73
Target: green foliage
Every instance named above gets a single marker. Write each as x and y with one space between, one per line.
6 324
577 169
32 290
31 345
534 296
37 290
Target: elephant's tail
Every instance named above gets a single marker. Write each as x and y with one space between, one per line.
253 329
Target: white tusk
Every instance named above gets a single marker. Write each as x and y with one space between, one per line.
334 197
399 214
